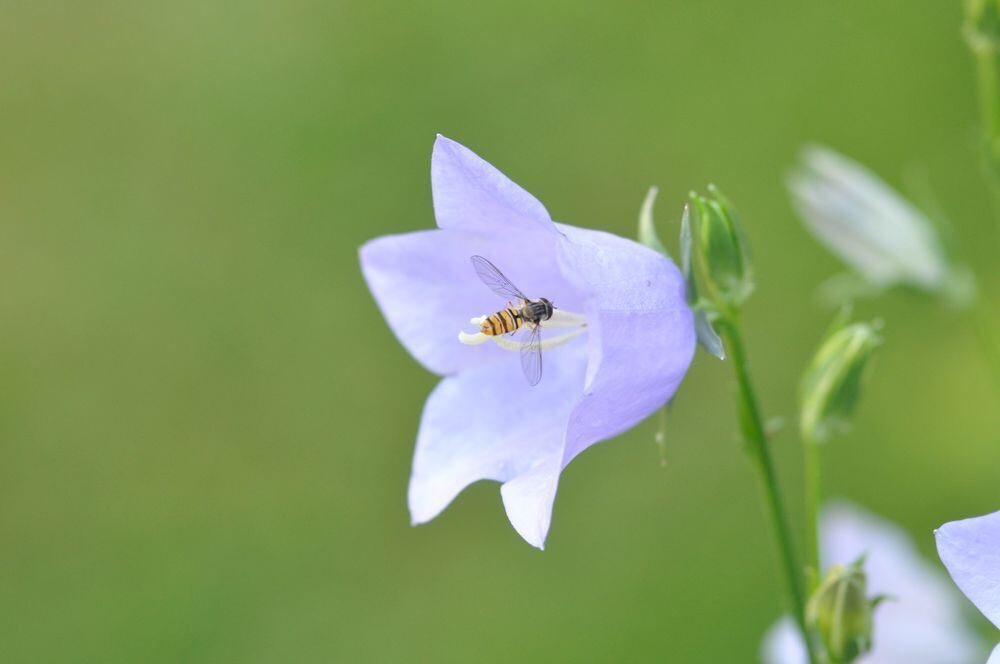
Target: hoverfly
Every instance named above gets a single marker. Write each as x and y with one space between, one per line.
528 314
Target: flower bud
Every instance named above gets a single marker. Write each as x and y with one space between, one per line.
840 612
648 236
722 250
982 24
882 236
704 331
832 382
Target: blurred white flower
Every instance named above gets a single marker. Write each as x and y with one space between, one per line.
921 622
871 227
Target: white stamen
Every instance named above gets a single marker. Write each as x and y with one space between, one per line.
563 318
507 344
472 339
560 319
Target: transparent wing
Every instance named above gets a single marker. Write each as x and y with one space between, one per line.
494 278
531 354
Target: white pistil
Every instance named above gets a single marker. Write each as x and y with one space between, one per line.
560 319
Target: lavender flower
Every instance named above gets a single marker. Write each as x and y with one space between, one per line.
920 622
970 549
630 339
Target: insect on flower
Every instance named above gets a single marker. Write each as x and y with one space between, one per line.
626 338
528 315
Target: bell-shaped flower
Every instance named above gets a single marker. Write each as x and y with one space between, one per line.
970 549
921 620
619 342
872 228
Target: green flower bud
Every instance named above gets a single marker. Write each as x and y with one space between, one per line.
648 236
704 331
722 250
982 24
831 384
840 612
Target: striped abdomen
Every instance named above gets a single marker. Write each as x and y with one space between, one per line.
504 321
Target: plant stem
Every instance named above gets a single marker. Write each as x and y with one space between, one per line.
752 425
987 59
982 325
813 462
987 78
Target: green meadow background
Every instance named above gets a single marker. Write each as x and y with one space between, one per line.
206 427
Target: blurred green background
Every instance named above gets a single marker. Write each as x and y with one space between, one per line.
206 427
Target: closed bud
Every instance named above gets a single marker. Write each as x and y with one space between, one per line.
882 236
722 250
840 612
832 383
982 24
648 236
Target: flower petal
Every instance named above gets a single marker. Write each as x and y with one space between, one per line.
642 334
472 195
783 644
922 621
488 423
994 656
970 549
428 290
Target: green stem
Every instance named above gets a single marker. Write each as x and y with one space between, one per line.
987 79
813 461
752 425
988 82
985 335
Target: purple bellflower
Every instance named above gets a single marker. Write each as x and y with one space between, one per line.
620 341
970 549
921 621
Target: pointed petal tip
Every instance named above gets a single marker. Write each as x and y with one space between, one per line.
450 146
527 500
536 540
532 533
